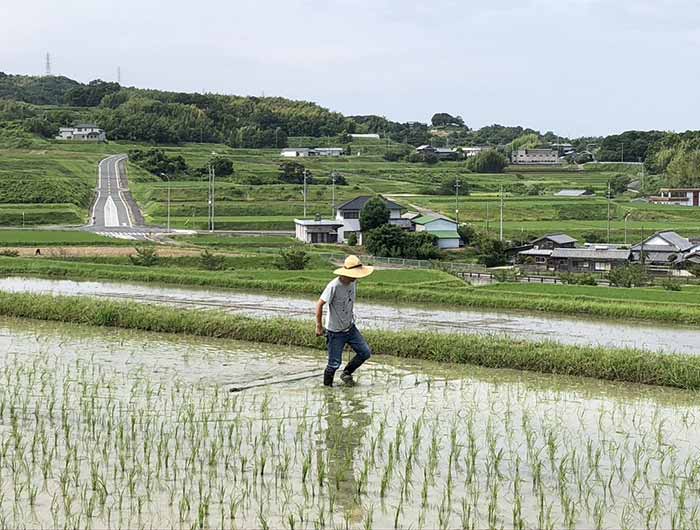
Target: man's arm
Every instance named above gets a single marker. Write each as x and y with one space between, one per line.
319 317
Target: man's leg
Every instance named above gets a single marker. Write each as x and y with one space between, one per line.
362 352
336 343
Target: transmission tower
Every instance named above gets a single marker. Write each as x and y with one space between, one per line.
48 64
119 75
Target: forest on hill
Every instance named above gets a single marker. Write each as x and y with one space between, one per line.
32 105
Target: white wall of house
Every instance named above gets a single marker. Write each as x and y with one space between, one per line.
448 243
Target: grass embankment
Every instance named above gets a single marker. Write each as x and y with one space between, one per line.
395 286
603 363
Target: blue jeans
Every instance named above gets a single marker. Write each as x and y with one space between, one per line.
337 340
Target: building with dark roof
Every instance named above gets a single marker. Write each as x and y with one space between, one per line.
552 241
662 248
349 214
596 259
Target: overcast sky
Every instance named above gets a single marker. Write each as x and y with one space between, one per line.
577 67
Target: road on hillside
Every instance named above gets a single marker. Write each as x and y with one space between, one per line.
114 212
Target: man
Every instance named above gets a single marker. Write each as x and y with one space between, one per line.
340 329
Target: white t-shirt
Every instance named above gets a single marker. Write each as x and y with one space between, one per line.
340 300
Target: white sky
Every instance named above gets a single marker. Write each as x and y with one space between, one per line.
577 67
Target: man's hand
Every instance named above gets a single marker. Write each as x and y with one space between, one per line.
319 318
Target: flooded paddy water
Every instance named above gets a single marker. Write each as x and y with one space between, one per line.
529 326
104 428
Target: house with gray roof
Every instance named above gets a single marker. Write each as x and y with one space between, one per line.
663 248
552 241
593 259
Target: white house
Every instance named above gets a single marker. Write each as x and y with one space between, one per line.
536 156
83 132
368 136
329 151
445 230
469 152
678 196
295 152
348 214
317 231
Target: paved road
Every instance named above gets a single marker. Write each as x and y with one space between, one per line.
111 209
115 213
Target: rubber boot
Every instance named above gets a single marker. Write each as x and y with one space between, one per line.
353 365
328 378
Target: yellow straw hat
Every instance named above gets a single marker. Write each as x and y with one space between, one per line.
353 268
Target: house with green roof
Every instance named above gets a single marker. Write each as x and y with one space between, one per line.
445 229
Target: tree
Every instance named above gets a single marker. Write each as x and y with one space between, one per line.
492 252
340 180
293 173
374 213
386 240
447 186
618 184
467 233
442 119
489 161
146 256
352 239
211 262
223 167
628 276
684 169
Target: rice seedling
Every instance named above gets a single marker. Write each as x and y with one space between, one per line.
111 439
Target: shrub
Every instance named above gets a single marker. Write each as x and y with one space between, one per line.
578 279
670 285
628 276
352 239
293 259
146 256
211 262
506 275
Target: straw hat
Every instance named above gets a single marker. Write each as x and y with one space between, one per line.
353 268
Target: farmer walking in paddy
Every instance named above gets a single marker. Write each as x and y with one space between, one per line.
340 329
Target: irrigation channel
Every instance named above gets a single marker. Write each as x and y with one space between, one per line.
528 326
124 429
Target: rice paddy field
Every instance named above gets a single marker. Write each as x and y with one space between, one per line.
140 430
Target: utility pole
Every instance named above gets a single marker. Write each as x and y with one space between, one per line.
167 178
608 211
306 173
211 197
333 175
501 222
487 217
457 186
